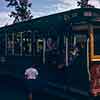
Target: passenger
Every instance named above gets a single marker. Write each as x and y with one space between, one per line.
49 43
52 52
31 74
74 52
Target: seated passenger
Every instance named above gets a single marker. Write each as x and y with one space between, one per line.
52 56
49 44
73 53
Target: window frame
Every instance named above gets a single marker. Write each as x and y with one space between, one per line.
93 56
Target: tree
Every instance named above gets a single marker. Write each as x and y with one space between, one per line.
22 10
84 4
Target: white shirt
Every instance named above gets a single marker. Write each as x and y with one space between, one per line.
31 73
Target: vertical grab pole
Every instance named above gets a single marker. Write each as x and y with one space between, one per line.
74 40
6 42
21 44
88 58
13 43
44 50
66 51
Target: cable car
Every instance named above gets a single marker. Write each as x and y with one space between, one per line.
64 46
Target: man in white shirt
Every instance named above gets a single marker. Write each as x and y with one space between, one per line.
31 73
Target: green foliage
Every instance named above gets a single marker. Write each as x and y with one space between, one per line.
84 4
22 10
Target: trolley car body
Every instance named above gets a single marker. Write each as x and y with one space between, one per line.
69 38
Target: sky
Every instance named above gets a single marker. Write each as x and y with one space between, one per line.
42 8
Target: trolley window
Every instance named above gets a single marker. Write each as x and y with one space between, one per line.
97 42
2 44
75 44
39 46
18 44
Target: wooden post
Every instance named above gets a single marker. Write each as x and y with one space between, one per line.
91 41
